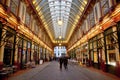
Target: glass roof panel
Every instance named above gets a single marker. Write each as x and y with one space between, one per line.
67 12
60 11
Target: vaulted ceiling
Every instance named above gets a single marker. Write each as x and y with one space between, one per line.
60 17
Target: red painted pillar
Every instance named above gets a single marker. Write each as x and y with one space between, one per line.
117 69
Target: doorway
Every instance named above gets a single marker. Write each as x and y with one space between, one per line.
7 56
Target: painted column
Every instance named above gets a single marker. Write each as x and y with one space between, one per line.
16 51
2 45
32 50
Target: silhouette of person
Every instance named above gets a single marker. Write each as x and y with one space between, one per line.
65 60
61 62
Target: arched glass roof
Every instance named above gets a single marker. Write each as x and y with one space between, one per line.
60 16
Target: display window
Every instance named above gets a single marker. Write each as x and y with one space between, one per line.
19 57
24 52
41 53
28 51
112 46
95 57
100 47
9 42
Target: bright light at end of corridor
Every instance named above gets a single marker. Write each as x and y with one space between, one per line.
59 44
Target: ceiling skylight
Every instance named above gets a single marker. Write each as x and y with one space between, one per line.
60 16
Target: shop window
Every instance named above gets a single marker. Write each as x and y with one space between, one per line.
20 42
112 46
112 57
14 6
100 43
28 51
104 6
95 57
95 44
109 41
8 50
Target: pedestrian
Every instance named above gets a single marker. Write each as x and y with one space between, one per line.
65 62
60 62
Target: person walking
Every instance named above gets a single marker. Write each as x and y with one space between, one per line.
61 62
65 62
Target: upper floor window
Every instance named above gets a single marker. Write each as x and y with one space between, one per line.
88 22
104 6
37 29
27 19
2 1
96 13
92 19
80 32
14 6
83 28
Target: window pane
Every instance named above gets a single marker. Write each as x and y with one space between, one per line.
27 19
92 20
105 6
14 6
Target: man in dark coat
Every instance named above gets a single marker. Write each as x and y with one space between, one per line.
61 62
65 60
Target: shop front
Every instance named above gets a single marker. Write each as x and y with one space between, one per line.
24 51
111 49
96 52
41 53
117 70
20 50
9 47
35 54
84 54
91 56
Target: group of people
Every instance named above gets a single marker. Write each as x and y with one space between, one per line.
63 61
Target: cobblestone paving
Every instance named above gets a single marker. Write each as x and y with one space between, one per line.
51 71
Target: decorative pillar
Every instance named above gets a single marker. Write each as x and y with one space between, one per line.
16 51
45 54
14 46
2 45
32 50
105 50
